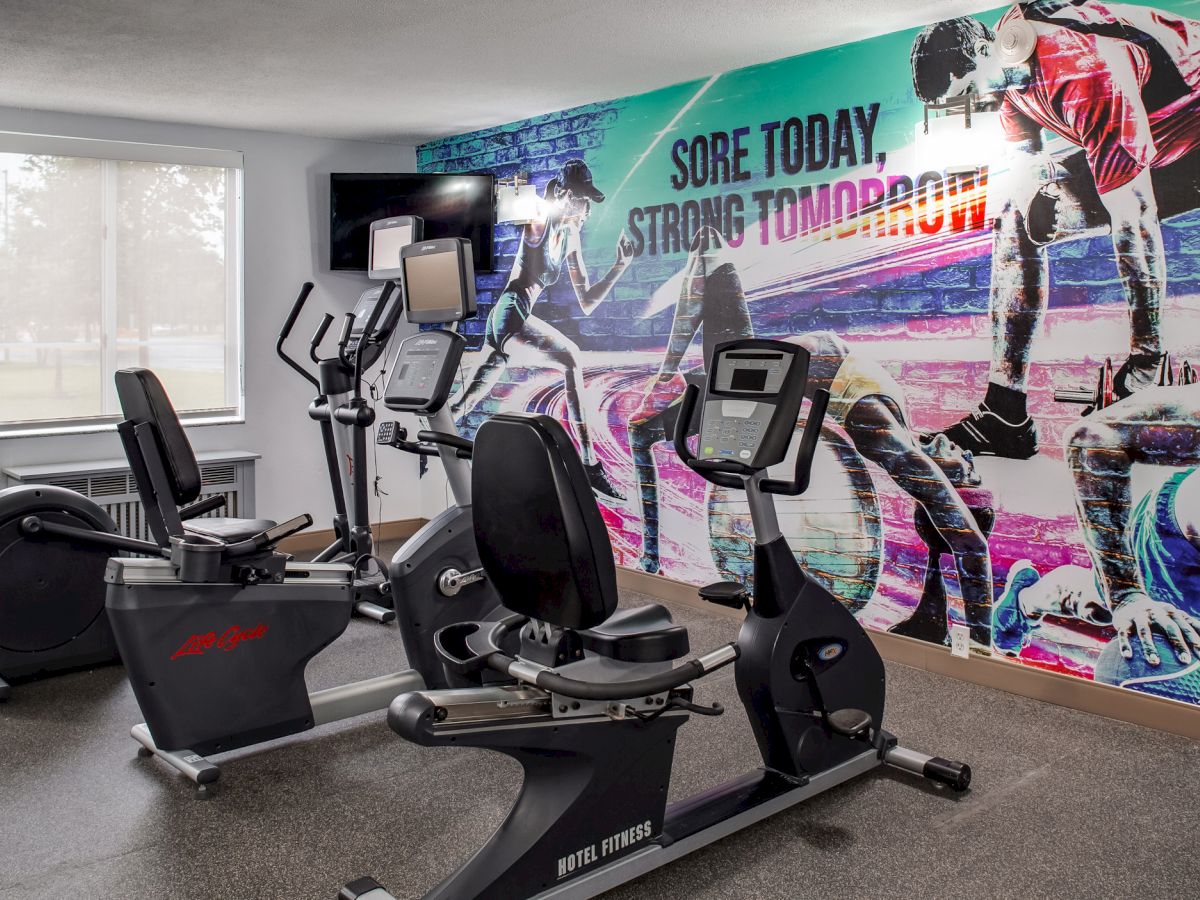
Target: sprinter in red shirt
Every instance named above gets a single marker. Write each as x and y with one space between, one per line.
1122 83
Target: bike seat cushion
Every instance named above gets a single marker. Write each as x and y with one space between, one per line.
639 634
540 535
228 530
143 401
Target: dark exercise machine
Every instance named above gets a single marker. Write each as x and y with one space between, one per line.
436 573
219 665
598 700
216 643
51 591
344 415
216 626
52 616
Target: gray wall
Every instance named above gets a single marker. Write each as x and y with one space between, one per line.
286 243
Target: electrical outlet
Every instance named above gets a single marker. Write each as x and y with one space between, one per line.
960 641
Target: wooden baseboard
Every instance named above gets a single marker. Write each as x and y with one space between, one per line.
315 540
994 672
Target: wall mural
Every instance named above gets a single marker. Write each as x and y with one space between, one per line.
1005 315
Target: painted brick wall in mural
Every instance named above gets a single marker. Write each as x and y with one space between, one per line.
1005 316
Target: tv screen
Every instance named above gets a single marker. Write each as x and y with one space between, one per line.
451 205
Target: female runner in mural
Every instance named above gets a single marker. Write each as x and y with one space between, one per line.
1122 82
512 325
711 296
1145 556
864 400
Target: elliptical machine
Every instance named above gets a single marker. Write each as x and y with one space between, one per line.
51 591
597 704
344 414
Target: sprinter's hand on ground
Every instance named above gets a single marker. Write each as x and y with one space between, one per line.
1140 616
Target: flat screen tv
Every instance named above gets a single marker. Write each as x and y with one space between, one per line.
450 205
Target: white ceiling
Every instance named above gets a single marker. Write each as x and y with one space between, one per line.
400 70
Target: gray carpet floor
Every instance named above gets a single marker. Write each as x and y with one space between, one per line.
1064 804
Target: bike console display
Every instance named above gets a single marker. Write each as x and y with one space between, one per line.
751 402
423 372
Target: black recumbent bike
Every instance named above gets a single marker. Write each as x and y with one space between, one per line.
598 697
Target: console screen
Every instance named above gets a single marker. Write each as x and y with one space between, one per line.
434 282
752 380
386 244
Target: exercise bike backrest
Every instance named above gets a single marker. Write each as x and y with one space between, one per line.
541 538
168 476
145 402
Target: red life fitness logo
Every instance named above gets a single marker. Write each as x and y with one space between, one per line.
230 639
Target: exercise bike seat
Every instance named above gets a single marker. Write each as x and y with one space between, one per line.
228 530
639 634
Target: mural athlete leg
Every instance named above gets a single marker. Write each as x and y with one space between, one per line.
932 476
481 384
1138 247
1001 425
642 438
557 350
506 318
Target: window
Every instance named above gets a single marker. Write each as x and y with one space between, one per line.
115 255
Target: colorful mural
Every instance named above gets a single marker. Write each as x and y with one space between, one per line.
1005 315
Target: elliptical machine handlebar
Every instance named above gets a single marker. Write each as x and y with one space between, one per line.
731 473
318 336
376 329
288 324
344 339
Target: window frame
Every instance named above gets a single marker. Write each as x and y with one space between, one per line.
233 162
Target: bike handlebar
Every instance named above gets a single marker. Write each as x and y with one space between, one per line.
452 441
732 474
804 456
